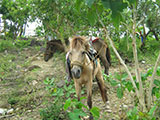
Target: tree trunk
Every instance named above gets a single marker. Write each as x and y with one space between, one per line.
137 70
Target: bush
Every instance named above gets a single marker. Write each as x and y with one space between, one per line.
6 45
22 43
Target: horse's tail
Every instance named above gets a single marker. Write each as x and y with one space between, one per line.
108 55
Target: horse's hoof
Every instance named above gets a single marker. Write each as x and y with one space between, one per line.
90 117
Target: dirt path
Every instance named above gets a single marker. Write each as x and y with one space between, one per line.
29 91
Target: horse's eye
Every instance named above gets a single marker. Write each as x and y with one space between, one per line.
83 52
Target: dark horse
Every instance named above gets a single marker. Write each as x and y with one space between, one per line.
103 52
52 47
84 69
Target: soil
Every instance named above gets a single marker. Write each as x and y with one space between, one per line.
26 84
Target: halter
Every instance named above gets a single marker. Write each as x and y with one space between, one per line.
77 63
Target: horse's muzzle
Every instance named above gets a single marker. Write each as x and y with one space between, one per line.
76 72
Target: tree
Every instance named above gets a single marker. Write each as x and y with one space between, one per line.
15 15
150 17
60 19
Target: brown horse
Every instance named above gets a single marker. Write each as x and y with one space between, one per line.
84 70
103 52
51 47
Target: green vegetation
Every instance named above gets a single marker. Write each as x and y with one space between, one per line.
72 108
121 83
121 23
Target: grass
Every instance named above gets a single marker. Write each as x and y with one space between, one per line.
7 65
6 45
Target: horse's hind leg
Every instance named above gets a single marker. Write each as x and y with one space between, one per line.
105 63
101 85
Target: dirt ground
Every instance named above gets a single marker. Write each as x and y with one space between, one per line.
26 86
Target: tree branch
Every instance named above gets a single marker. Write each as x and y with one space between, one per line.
152 81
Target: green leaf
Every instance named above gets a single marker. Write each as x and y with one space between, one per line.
67 104
116 6
92 16
90 2
149 72
78 4
129 86
82 98
157 95
76 113
118 76
158 71
155 90
132 2
119 92
124 76
106 4
152 110
46 81
95 111
157 82
116 17
99 9
114 82
144 77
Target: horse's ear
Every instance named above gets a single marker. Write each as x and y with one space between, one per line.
70 38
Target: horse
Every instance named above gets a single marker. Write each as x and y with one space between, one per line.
103 52
84 69
51 47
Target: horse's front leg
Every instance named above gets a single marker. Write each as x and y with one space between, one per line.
78 90
89 97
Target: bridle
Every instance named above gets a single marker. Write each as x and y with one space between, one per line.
77 63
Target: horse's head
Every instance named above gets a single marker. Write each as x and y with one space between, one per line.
78 48
48 52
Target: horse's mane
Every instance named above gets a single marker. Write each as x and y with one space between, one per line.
78 42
